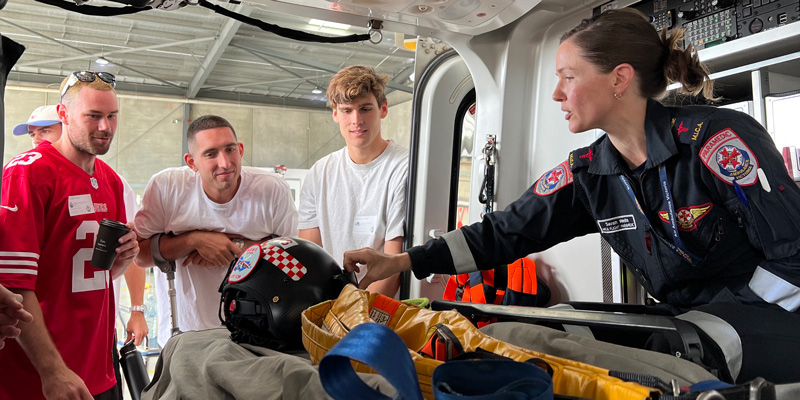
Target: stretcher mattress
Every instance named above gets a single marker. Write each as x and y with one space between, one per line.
601 354
208 365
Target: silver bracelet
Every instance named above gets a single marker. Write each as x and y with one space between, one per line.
140 308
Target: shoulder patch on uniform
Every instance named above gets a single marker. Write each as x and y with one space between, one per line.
729 158
553 180
580 158
688 130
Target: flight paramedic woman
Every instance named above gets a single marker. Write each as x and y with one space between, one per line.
695 200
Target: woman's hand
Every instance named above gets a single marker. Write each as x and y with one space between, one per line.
379 265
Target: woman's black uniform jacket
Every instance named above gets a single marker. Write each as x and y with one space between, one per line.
737 213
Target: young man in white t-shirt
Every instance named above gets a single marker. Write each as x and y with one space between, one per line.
204 215
356 197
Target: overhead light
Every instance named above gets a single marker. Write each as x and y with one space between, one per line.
101 61
316 90
327 24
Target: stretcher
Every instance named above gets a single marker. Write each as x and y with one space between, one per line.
682 337
208 365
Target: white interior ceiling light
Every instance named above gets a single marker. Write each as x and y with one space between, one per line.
101 61
316 90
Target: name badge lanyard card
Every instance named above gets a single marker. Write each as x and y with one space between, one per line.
677 244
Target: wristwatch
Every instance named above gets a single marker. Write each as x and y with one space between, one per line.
140 308
239 242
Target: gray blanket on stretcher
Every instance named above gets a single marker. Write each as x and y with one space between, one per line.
601 354
209 365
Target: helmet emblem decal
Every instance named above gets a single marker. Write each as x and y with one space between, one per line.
246 264
285 262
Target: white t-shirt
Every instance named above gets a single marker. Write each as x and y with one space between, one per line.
174 201
356 205
130 212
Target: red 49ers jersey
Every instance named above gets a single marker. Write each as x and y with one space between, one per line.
49 215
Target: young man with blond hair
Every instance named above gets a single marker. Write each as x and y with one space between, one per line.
356 197
53 200
45 125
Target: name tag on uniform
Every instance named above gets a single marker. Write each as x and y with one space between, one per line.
616 224
80 205
364 225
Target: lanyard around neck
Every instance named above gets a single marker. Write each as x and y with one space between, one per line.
676 245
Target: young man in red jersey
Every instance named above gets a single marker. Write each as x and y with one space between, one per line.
53 199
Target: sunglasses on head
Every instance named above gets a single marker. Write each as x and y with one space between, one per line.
88 76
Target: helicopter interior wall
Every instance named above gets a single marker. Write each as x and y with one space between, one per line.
514 73
448 85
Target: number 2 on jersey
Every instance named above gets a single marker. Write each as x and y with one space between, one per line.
99 279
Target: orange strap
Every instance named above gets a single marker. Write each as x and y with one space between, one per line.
383 309
454 291
522 276
443 345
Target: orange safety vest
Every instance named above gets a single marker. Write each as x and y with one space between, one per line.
514 284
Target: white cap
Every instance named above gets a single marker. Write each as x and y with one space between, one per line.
42 116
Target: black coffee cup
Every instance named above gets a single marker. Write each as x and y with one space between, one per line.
107 242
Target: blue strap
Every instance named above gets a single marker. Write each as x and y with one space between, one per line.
489 379
378 347
709 385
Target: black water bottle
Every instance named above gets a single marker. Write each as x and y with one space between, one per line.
132 363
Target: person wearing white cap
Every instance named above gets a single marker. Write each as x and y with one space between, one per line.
43 124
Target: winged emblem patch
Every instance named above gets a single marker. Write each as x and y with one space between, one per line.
687 216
